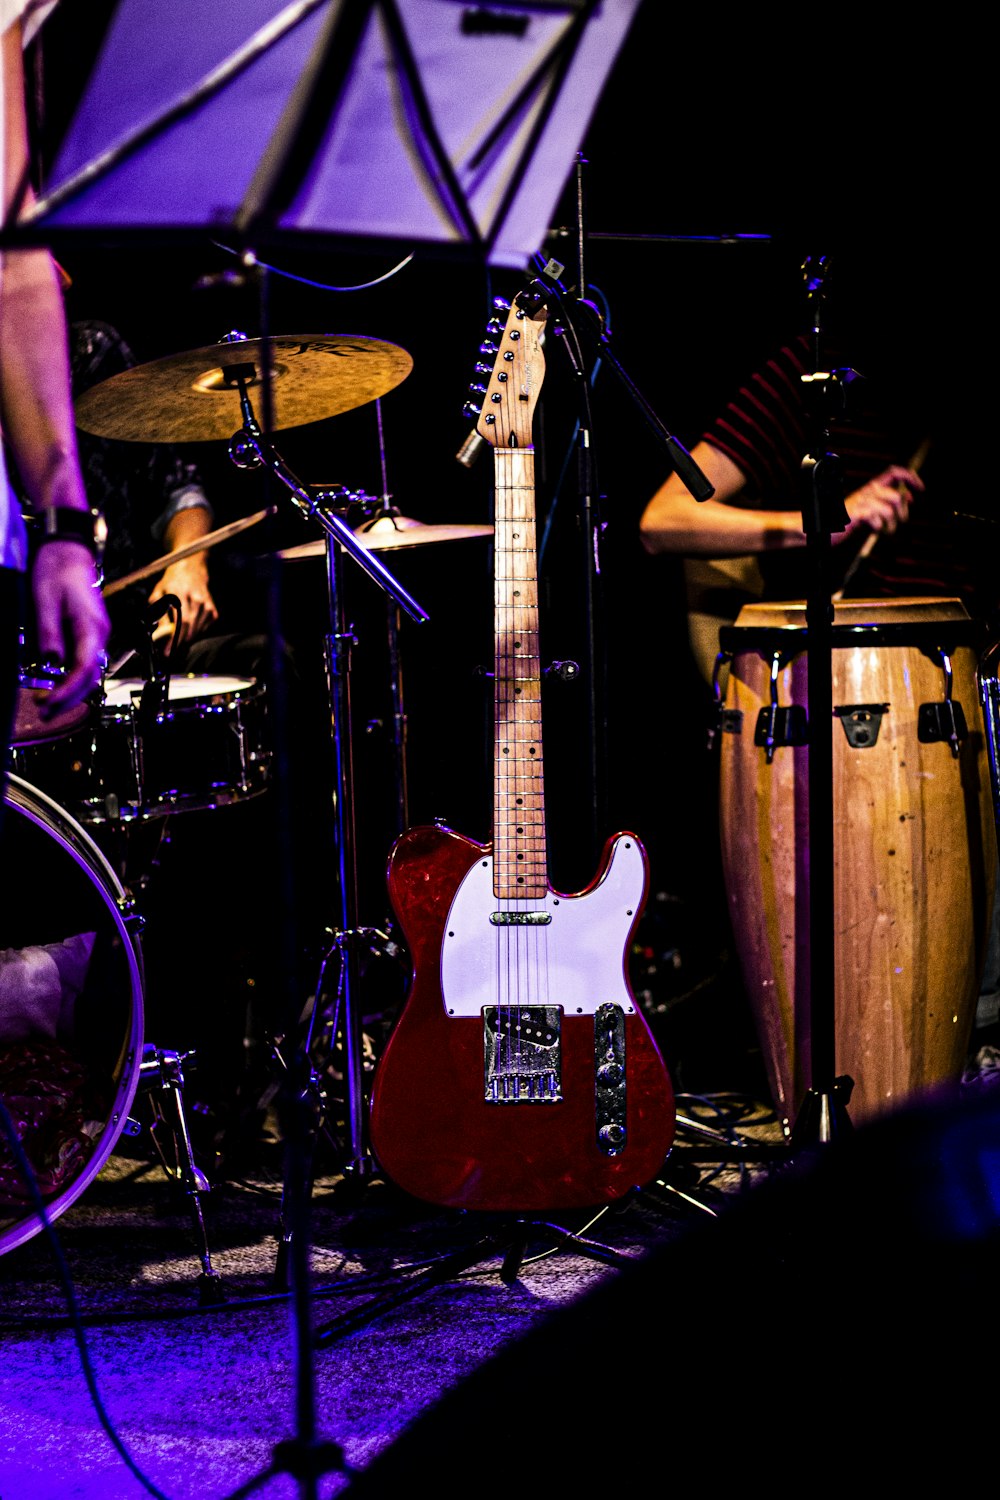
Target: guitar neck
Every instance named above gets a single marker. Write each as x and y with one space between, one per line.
519 855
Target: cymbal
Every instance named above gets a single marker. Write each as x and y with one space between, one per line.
193 397
386 533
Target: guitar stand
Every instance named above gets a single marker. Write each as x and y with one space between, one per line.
511 1241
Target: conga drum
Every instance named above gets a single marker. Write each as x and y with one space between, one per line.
914 841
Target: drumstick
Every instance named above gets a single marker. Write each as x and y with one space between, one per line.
868 546
210 539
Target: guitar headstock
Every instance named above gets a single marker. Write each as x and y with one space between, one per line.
509 398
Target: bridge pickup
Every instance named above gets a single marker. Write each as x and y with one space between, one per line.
520 918
522 1052
610 1101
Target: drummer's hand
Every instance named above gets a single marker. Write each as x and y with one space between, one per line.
883 503
71 620
187 580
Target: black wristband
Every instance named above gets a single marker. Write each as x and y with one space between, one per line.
64 523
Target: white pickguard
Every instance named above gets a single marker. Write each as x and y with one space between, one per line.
577 961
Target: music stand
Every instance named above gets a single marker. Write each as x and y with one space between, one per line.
333 124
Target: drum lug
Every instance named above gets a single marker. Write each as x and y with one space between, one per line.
729 720
862 722
133 920
942 721
724 721
778 726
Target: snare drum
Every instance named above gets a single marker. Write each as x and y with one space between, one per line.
205 749
914 845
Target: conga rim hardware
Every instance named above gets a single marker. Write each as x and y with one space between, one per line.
938 636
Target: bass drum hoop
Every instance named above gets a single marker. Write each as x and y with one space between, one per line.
25 800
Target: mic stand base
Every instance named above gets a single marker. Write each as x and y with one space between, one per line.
823 1119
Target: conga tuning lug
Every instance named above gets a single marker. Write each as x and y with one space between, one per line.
942 721
781 726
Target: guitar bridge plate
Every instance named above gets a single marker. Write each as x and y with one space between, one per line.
522 1053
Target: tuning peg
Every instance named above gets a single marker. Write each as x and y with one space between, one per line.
477 388
494 326
470 409
501 304
488 348
482 369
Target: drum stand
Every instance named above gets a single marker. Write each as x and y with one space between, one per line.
161 1077
249 449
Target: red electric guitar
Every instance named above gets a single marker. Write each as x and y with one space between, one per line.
520 1075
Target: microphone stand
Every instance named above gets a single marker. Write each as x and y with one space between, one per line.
307 1457
590 524
823 1116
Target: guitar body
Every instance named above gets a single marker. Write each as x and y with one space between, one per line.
447 1123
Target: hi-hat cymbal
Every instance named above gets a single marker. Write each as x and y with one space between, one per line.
388 532
193 397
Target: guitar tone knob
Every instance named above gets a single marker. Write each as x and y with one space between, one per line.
611 1073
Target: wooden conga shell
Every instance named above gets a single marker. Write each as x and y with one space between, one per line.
914 846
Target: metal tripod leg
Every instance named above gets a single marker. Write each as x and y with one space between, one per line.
161 1077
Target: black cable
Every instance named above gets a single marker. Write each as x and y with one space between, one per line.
75 1319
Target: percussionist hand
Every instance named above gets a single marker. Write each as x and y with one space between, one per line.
883 504
188 581
71 620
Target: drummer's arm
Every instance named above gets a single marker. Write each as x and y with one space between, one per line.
674 521
187 579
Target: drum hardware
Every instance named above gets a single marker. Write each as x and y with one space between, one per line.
779 726
161 1080
862 722
297 1095
943 721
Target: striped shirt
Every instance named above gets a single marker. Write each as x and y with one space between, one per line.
767 429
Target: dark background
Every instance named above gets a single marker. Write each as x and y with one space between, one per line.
810 133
